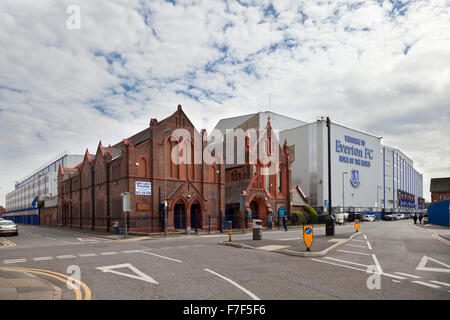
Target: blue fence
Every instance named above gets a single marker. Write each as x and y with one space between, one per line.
23 216
439 213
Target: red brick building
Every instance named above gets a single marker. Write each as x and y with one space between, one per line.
440 189
90 193
263 194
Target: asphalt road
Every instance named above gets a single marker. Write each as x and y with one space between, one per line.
404 261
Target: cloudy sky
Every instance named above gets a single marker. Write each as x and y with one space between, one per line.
379 66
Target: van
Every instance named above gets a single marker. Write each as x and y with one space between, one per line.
339 218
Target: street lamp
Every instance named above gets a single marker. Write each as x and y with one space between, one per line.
343 191
165 182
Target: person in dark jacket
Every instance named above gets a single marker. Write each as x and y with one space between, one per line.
415 219
420 219
285 223
269 221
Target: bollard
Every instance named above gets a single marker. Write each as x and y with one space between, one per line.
229 231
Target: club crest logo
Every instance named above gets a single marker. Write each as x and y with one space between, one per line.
354 180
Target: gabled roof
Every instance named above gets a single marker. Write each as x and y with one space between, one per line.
440 185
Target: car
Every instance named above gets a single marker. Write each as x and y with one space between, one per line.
8 227
388 217
369 218
352 216
400 216
339 218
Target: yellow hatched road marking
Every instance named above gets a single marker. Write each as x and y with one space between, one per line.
442 239
7 243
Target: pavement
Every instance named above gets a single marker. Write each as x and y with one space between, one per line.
320 246
18 285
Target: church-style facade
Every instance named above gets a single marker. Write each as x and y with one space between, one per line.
154 165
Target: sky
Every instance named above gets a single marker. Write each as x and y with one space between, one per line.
72 77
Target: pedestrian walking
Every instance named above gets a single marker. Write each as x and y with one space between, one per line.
269 221
420 219
285 223
415 219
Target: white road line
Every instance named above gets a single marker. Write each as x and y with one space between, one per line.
67 256
133 251
364 236
198 245
253 296
408 275
157 255
396 281
441 283
356 264
364 254
355 245
363 270
50 238
426 284
377 264
87 254
14 261
368 245
42 258
107 253
340 265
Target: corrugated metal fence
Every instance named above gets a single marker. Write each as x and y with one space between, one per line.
24 216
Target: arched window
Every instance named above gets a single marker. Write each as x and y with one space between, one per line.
212 174
279 180
142 168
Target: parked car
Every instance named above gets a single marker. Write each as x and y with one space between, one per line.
352 216
388 217
8 227
369 218
339 218
401 216
346 216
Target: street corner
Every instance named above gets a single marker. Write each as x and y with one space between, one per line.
321 246
21 285
18 283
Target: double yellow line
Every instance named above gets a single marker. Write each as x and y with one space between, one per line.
58 276
7 243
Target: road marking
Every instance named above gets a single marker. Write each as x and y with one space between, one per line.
408 275
356 264
166 248
441 283
354 268
440 238
355 245
133 251
107 253
50 238
368 245
87 240
272 247
67 256
157 255
87 254
140 275
14 261
397 281
42 258
365 254
287 239
198 245
364 236
377 264
427 284
423 262
59 276
253 296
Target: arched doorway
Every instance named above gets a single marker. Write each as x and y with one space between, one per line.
196 215
258 207
179 215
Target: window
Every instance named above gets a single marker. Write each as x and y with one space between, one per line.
279 179
116 172
442 196
142 168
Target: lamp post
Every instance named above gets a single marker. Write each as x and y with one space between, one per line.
165 182
343 191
